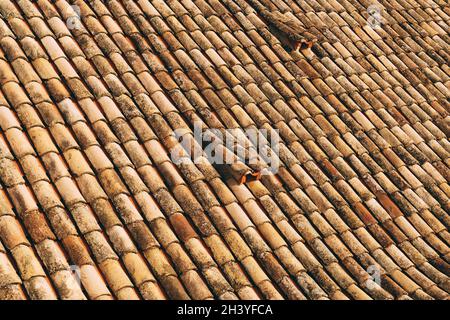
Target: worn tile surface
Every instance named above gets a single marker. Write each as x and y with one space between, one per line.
92 91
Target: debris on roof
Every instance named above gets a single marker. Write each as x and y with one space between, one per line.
291 33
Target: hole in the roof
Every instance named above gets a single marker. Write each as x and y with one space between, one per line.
251 176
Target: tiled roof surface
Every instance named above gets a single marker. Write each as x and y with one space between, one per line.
359 208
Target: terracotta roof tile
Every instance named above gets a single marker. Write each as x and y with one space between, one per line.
89 107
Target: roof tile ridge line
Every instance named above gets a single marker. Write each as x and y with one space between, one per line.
120 288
